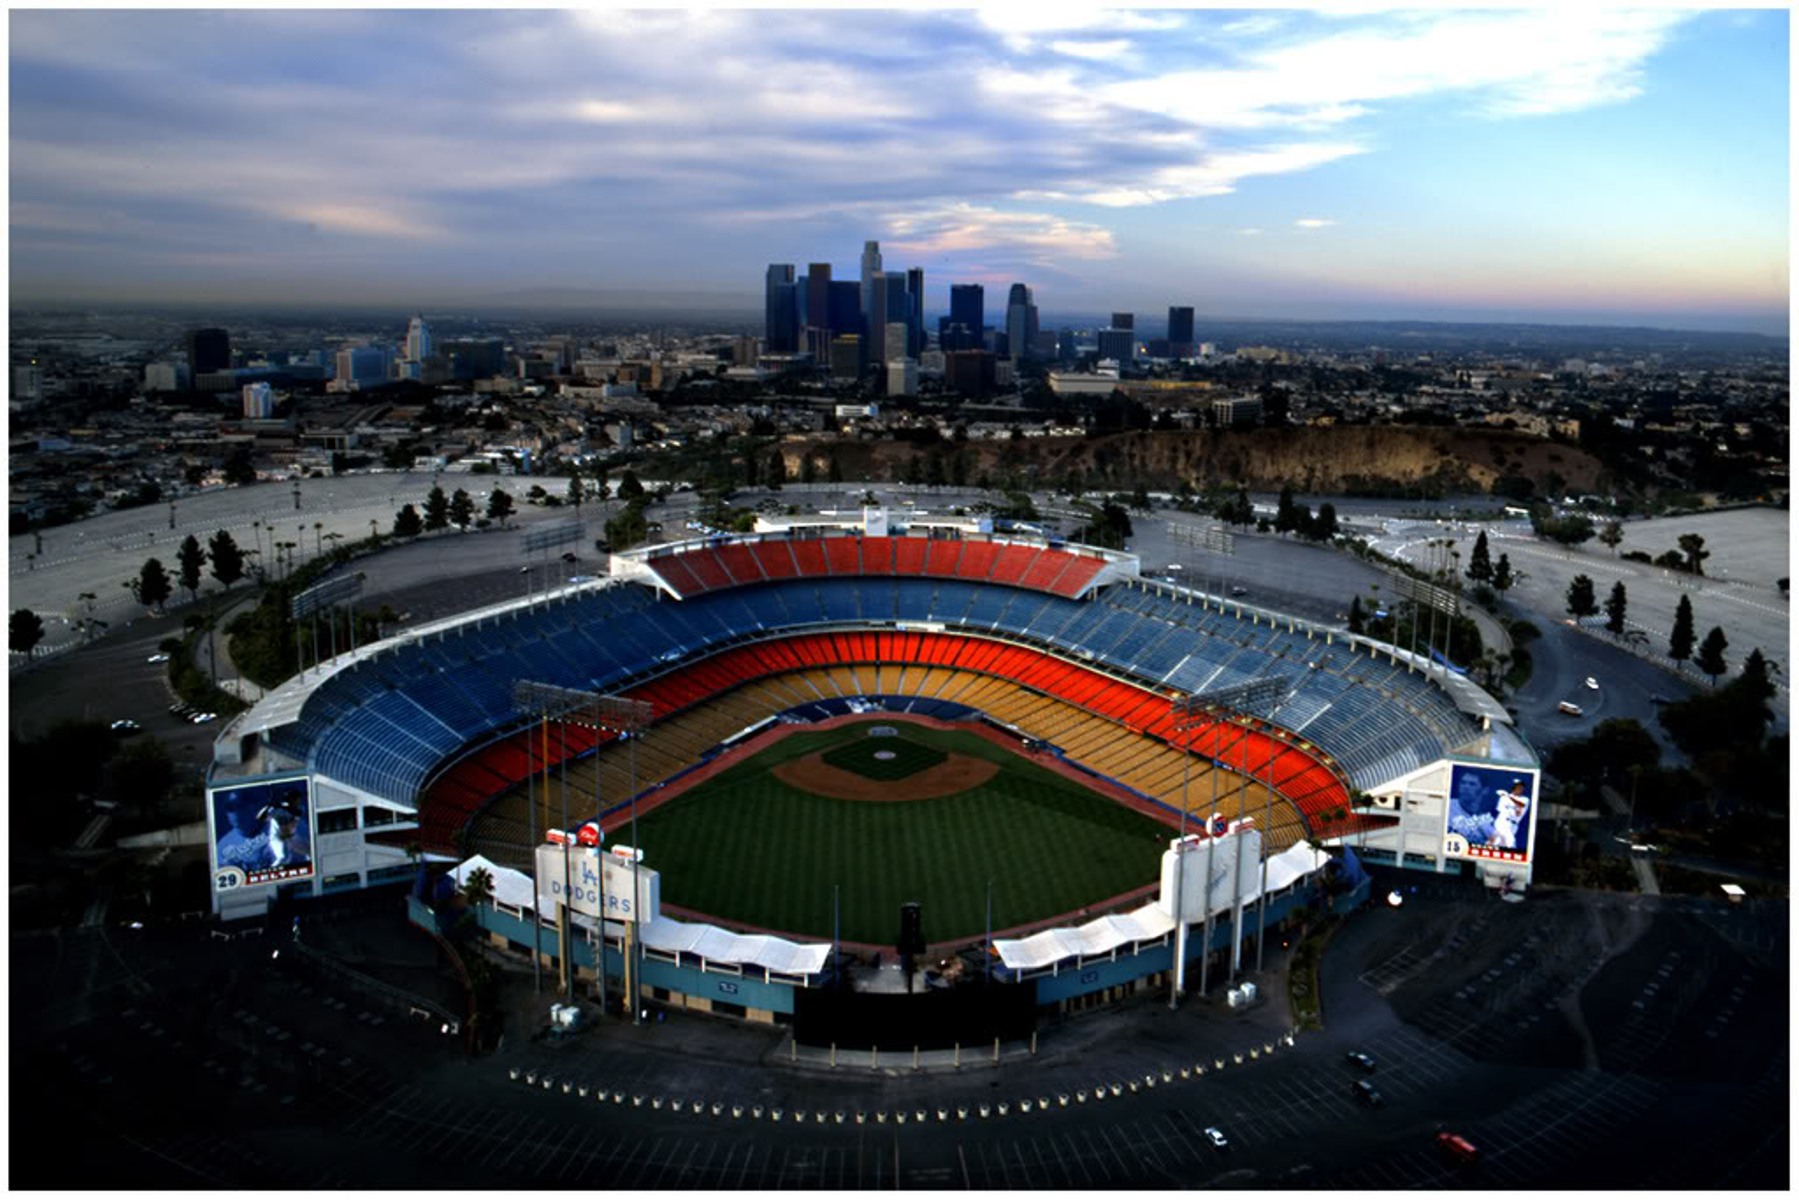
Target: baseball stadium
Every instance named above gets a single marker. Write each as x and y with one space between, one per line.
736 764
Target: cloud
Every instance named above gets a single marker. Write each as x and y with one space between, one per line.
956 228
543 130
1314 222
1100 51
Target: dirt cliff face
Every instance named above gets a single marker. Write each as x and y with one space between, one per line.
1342 460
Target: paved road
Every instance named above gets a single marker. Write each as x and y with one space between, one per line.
1561 1035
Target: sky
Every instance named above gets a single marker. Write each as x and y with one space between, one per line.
1589 164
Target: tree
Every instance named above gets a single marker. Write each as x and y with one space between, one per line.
1503 579
1581 602
629 487
1323 527
227 559
1711 654
499 506
152 585
1610 534
1680 641
462 510
834 471
1356 619
1480 562
1285 520
1692 547
408 523
576 492
24 631
190 558
477 889
1614 609
437 510
776 472
238 468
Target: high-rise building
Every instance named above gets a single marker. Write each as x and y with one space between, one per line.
874 317
362 366
818 311
780 333
871 269
969 372
897 337
1123 320
968 306
846 351
1119 345
1180 331
474 358
158 377
208 350
1021 323
915 293
259 401
902 376
418 340
899 302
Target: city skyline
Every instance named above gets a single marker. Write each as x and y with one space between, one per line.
1590 167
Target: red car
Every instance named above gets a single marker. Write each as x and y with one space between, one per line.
1458 1147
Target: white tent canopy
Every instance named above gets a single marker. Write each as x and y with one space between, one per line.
1145 924
513 889
722 946
1101 936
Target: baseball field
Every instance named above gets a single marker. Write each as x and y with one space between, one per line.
885 812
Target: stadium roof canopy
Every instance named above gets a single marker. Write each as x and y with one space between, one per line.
514 890
1151 921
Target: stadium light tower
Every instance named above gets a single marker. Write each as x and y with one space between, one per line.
590 710
1192 712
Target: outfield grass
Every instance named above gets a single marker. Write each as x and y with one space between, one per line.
745 847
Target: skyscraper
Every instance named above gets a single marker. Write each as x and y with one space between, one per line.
967 316
818 311
1021 322
1180 332
899 311
845 317
208 350
871 267
780 331
418 340
915 293
1123 320
874 317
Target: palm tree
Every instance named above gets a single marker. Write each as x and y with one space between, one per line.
477 889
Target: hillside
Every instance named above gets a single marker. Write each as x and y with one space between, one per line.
1345 460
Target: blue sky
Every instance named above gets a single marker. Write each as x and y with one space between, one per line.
1587 165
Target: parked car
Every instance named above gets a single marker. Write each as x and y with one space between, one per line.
158 658
126 726
1216 1136
1458 1147
1366 1092
1359 1059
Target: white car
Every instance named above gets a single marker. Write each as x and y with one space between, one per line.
1216 1136
203 718
158 658
1592 683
